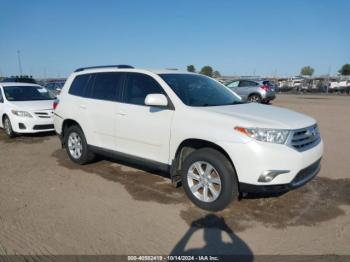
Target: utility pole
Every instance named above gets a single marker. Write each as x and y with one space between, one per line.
329 76
19 62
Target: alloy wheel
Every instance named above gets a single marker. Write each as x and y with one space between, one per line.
204 181
7 126
75 145
254 99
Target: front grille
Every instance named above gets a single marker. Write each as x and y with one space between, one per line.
43 127
43 114
303 139
306 174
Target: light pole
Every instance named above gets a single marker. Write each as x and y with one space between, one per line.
19 62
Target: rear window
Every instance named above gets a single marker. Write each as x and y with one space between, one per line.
79 85
246 83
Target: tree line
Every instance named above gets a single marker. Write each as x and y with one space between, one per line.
309 71
305 71
205 70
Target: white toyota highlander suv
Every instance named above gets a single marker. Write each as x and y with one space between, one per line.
189 125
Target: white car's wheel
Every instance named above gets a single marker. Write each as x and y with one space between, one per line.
76 146
209 179
8 127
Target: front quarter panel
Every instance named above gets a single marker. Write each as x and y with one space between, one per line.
191 123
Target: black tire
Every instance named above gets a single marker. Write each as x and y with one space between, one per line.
255 98
8 127
86 155
229 182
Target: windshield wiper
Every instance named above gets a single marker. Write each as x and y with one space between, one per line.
233 103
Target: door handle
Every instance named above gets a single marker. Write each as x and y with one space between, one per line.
83 106
121 113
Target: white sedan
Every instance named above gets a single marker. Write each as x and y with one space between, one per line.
25 108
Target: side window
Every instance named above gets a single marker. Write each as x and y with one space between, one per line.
233 84
1 97
245 83
139 86
107 86
79 85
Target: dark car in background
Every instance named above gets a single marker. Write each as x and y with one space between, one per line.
257 91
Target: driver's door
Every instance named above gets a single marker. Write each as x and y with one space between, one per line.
143 131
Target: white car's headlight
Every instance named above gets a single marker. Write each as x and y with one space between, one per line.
21 113
277 136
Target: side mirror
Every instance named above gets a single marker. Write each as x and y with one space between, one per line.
156 100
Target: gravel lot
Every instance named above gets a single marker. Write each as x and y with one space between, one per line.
50 206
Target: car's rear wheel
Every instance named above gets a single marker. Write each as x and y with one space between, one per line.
254 98
77 147
209 179
8 127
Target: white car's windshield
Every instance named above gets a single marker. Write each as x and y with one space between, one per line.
27 93
198 90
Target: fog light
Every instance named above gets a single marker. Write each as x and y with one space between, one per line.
269 175
21 126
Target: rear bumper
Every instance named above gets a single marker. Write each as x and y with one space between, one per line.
304 176
269 97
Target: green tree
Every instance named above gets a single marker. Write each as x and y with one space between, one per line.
216 74
207 70
191 68
345 70
307 71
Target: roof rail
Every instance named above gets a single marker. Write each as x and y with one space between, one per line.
106 66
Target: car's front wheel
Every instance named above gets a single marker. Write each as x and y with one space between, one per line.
76 146
209 179
8 127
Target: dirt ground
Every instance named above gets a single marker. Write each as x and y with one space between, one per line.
48 205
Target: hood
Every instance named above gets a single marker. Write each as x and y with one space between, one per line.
263 116
32 105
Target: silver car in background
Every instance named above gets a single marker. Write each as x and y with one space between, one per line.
258 91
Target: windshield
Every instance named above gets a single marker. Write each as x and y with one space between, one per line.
27 93
198 90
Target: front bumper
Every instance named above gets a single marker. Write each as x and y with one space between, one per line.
24 125
253 158
304 176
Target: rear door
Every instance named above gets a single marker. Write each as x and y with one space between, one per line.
101 107
143 131
247 87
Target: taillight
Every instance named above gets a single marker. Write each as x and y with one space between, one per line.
55 103
265 87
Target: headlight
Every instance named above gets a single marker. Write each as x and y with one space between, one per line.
277 136
21 113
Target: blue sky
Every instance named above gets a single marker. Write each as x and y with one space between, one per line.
235 37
